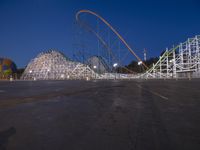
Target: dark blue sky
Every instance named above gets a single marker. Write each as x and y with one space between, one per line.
28 27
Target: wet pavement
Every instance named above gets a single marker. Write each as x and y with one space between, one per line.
100 115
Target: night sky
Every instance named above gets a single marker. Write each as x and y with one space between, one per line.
28 27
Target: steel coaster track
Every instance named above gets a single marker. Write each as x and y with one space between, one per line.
114 31
105 45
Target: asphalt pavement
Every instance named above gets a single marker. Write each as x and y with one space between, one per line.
100 115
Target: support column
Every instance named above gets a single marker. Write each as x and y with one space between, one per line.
167 62
181 56
189 53
174 63
197 53
154 71
160 68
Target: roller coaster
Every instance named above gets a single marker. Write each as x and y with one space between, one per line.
181 61
116 59
117 34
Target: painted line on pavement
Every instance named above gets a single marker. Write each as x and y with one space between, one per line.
155 93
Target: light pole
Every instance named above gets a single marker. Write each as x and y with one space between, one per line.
95 67
139 64
115 66
48 70
30 76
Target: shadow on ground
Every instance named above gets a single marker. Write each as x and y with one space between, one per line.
4 137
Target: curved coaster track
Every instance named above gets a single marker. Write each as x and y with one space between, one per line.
102 41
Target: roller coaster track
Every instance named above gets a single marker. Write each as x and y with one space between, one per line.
182 60
114 31
105 45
